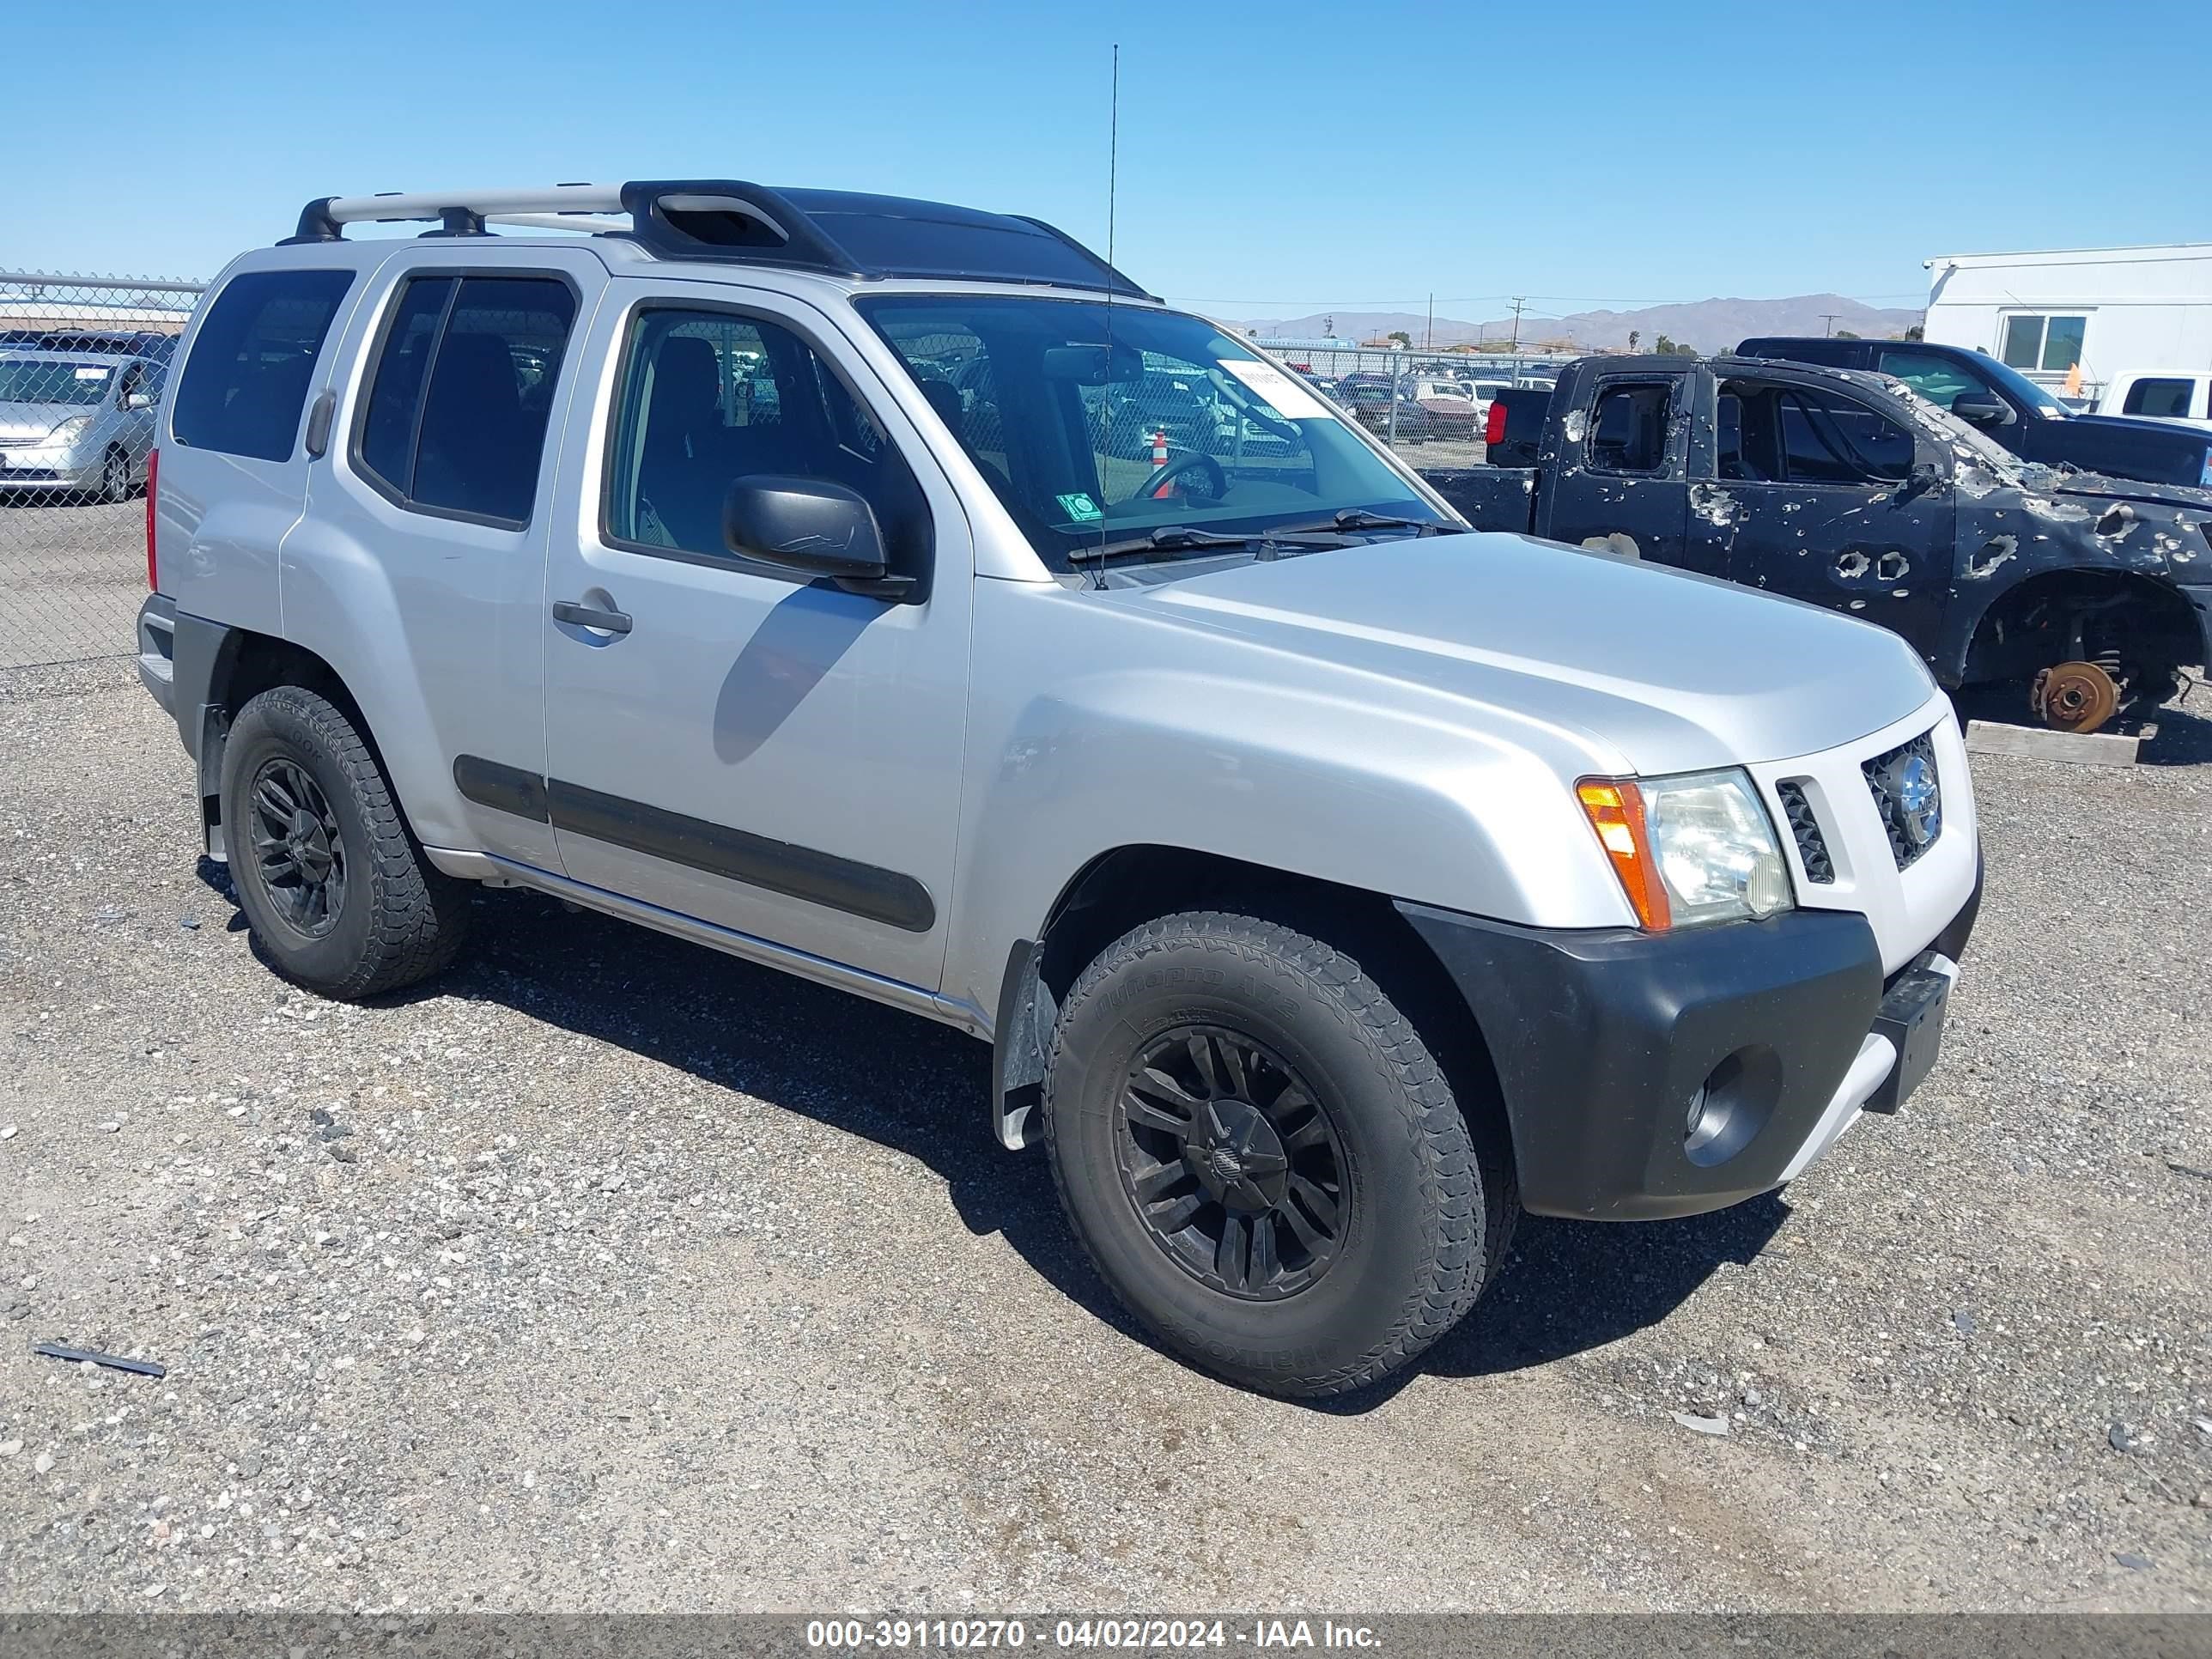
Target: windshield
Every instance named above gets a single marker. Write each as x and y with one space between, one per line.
1967 442
53 380
1177 425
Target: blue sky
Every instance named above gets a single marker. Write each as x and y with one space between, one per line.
1274 158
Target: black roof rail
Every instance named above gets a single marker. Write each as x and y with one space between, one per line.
838 233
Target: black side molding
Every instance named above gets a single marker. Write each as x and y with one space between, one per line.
777 866
503 788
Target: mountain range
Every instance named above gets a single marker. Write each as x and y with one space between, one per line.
1709 324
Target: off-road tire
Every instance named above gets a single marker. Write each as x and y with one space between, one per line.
1428 1218
401 919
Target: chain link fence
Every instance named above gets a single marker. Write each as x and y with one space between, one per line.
1428 404
82 363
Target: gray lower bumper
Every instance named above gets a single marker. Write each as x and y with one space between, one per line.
157 650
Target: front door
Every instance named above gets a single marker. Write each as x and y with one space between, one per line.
1818 500
727 740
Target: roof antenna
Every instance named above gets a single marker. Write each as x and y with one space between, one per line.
1112 181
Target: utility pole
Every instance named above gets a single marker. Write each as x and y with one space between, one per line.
1429 331
1520 303
1828 317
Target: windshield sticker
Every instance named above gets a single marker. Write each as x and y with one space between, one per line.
1276 389
92 375
1080 509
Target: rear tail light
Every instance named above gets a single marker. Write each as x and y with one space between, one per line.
1493 426
153 471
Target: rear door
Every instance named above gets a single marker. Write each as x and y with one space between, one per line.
1815 498
420 570
1620 482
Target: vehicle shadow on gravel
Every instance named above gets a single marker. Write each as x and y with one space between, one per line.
902 1081
921 1090
1570 1286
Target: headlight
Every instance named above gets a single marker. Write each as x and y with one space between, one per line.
70 430
1691 850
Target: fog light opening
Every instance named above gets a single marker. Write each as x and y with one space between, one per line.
1730 1106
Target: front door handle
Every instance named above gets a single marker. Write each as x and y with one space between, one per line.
584 616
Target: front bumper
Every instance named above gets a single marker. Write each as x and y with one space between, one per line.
1602 1038
49 466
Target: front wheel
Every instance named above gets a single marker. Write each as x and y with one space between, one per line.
336 889
1263 1159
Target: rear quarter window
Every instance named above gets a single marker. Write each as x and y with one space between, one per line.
245 386
2167 398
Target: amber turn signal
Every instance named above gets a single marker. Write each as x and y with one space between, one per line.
1615 810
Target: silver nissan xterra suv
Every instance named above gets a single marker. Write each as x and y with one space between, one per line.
895 594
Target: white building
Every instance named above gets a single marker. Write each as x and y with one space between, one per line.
2105 309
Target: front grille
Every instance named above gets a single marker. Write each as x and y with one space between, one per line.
1885 775
1812 845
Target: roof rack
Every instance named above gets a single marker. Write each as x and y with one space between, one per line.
838 233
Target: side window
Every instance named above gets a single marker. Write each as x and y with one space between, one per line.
455 420
1729 461
1628 429
710 396
245 386
2167 398
388 434
1826 438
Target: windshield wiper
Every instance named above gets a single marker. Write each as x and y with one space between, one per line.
1359 518
1176 539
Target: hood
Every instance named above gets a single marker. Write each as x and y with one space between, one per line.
20 423
2196 502
1666 671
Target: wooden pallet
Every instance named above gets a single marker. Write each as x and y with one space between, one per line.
2040 743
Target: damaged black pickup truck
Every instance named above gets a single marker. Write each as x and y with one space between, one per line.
1844 489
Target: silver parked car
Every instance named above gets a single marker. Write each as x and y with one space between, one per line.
774 568
77 425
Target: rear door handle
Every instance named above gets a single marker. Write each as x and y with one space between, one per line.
318 422
584 616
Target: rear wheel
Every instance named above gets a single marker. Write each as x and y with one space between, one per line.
334 887
1263 1159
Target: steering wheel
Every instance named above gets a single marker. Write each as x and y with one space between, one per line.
1167 472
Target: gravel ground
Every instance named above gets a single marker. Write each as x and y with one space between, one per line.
609 1272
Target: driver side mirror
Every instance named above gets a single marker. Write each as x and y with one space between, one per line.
813 527
138 398
1980 408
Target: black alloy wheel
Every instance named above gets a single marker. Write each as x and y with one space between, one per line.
1233 1164
297 848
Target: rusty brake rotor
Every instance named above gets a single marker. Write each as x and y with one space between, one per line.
2075 697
